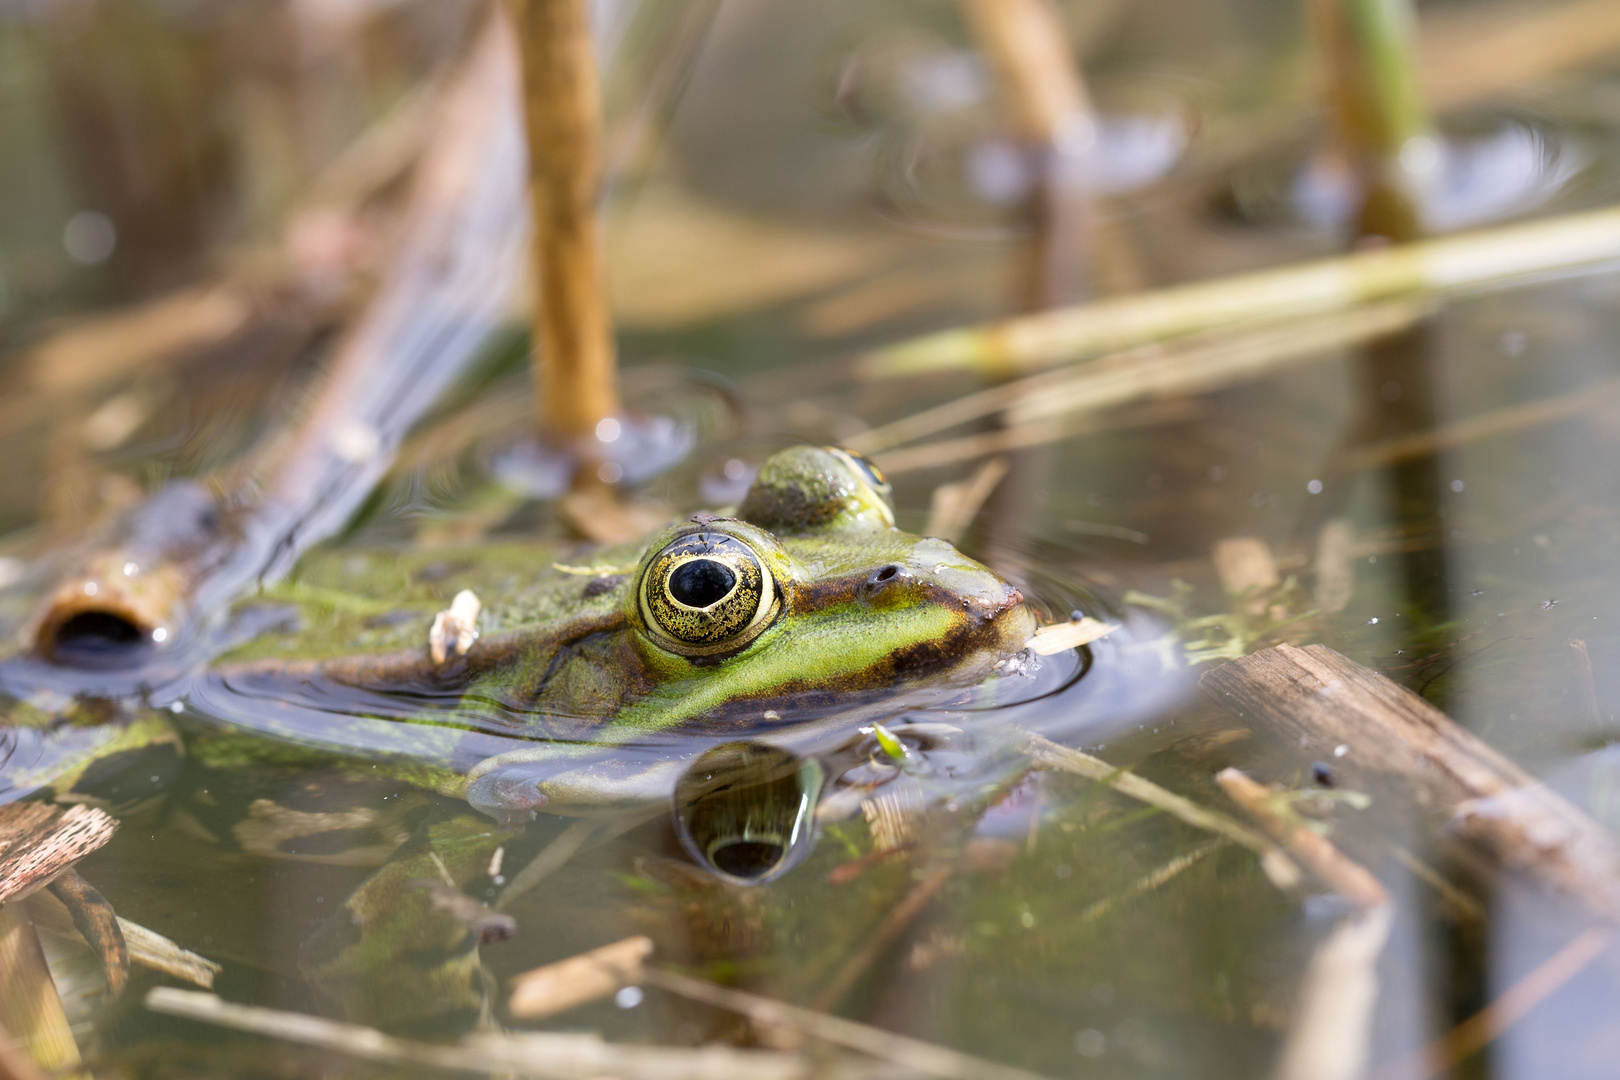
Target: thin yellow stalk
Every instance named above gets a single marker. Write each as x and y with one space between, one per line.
573 353
1489 258
1192 365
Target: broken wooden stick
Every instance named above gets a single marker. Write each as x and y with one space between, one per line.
1316 697
39 841
1347 878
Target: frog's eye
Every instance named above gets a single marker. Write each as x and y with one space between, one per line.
872 476
707 592
867 471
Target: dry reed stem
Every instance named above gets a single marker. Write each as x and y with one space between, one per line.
573 350
1368 48
1488 425
539 1054
1334 566
1488 258
909 1053
948 452
954 506
1330 1036
1468 53
1152 881
895 922
1512 1005
1198 364
587 977
1581 658
551 858
1346 877
1049 755
1028 46
1463 906
1246 566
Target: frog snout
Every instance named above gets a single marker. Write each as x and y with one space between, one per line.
992 603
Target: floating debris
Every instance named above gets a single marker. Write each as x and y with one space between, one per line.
588 977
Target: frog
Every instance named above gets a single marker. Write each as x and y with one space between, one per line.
577 684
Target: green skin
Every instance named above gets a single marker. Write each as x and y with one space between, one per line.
863 617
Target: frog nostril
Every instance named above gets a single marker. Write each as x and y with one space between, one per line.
882 579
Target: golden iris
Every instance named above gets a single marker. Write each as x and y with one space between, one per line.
706 590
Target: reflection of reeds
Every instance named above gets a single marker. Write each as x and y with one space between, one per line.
1489 258
573 335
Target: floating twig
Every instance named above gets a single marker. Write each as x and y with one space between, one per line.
587 977
539 1054
1063 636
551 858
903 1050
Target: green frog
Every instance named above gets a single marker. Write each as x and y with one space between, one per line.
581 686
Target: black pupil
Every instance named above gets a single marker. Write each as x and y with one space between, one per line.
701 583
747 859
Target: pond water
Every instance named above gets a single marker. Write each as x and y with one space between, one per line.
204 209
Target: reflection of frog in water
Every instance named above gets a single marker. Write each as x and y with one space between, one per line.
588 687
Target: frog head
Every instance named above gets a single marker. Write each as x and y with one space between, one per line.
807 606
809 597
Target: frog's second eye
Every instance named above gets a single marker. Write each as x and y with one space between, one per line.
707 592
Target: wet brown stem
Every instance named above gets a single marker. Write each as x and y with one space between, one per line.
573 334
